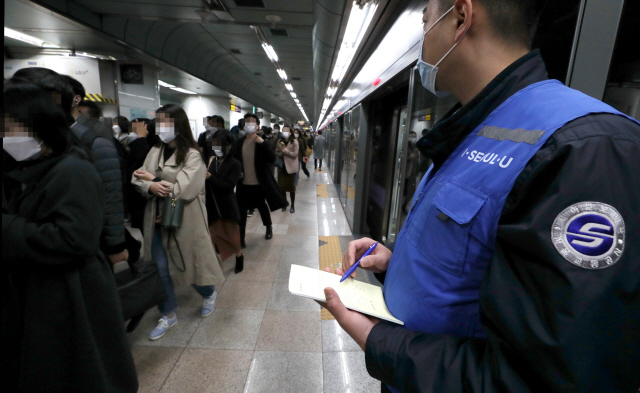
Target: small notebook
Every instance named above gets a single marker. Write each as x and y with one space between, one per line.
355 295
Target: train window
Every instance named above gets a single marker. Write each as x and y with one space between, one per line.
350 134
623 85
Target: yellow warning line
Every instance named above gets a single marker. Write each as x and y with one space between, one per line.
330 255
321 190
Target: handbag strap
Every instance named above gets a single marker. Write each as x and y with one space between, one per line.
215 202
184 266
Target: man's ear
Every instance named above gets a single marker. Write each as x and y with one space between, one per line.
463 10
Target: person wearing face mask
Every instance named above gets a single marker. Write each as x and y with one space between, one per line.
99 141
519 241
288 151
302 148
257 189
211 129
61 323
175 169
223 212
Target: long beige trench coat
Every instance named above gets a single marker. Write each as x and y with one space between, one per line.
188 179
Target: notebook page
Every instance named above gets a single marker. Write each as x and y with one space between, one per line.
355 295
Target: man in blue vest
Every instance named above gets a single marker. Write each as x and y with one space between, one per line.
518 267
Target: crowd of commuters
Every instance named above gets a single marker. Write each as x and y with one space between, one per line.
74 186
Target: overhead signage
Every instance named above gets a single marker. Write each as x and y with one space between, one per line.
85 71
424 118
235 108
131 74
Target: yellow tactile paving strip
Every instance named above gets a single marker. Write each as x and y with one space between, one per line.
321 190
330 254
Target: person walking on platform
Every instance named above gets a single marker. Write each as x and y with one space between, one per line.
288 152
302 149
175 170
61 328
258 188
222 206
318 150
517 269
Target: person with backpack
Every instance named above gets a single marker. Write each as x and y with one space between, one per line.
174 172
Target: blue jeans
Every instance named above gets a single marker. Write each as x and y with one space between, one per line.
159 256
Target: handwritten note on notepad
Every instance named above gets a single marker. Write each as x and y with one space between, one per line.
355 295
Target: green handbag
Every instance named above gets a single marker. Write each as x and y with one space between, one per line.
172 214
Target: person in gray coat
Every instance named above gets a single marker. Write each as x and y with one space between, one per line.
318 150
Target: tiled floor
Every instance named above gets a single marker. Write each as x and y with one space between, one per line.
260 338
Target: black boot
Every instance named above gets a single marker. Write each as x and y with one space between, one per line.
239 264
269 234
292 210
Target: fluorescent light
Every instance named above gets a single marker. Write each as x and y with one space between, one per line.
282 74
270 52
16 35
181 90
165 84
359 20
288 86
294 95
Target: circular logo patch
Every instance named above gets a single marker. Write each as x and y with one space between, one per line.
589 234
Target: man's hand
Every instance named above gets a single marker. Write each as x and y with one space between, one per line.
357 325
115 258
376 262
259 140
208 175
143 175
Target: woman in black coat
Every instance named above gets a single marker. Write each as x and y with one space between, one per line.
61 327
222 206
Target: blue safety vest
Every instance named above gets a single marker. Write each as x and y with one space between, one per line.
449 237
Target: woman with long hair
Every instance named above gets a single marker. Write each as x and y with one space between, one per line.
175 169
61 328
287 173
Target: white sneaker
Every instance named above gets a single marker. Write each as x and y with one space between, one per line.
208 304
164 324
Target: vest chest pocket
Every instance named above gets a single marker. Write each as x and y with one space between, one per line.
445 236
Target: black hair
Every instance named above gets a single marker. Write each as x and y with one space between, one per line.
226 140
184 137
78 89
253 115
94 109
319 132
141 120
218 120
123 122
152 138
51 81
514 21
37 109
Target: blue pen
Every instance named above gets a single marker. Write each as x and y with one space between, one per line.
355 265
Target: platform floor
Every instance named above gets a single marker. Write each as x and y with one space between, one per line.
260 338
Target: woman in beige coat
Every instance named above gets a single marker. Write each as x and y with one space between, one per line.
287 174
175 168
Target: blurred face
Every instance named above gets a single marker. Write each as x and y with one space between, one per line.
139 126
250 125
19 141
165 128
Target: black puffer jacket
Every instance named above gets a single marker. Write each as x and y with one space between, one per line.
107 162
551 326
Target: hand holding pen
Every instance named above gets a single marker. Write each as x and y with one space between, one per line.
377 261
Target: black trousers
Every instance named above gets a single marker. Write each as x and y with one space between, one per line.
252 197
304 167
315 163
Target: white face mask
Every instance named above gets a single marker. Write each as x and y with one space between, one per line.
250 128
166 133
429 72
22 148
218 152
413 140
285 134
296 135
116 130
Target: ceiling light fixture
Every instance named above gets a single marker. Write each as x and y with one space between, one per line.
270 52
359 20
165 84
16 35
288 86
282 74
181 90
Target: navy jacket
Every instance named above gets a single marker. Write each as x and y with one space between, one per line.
551 327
